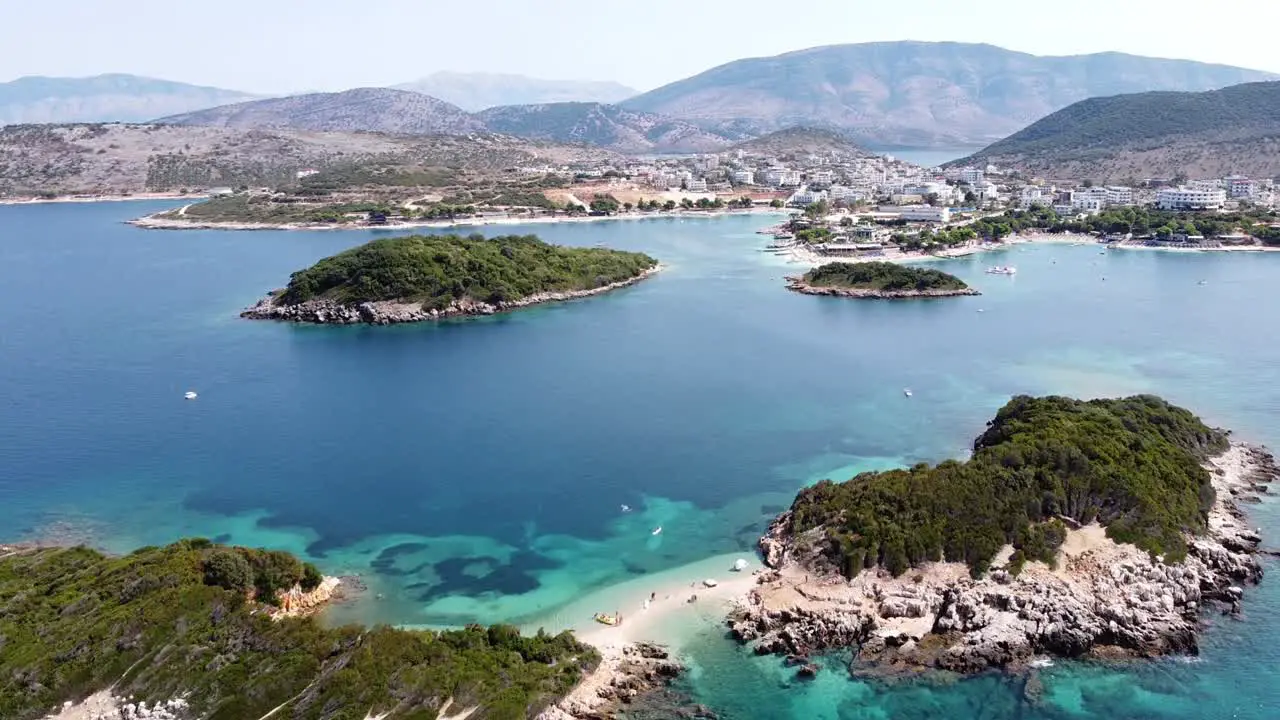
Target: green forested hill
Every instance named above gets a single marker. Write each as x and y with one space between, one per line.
1132 464
166 622
1235 129
438 269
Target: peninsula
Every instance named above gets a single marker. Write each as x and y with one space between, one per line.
1079 529
419 277
193 629
878 280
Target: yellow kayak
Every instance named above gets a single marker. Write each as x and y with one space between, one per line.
606 619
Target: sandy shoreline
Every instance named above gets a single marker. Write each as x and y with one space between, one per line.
804 255
94 199
153 222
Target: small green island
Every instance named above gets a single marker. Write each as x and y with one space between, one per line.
878 280
431 277
193 629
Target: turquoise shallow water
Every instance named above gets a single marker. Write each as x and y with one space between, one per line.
475 470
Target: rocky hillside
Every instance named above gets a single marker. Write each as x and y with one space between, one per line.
1156 134
114 158
477 91
104 98
914 93
803 141
361 110
607 126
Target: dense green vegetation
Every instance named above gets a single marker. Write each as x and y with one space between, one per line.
881 276
159 624
1140 221
1133 464
1144 120
438 269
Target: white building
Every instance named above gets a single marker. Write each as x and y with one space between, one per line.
698 185
744 177
781 177
708 162
1186 198
805 196
920 213
844 192
1031 196
972 176
1239 186
822 177
1119 195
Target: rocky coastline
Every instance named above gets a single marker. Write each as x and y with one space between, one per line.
798 284
391 312
1103 600
635 679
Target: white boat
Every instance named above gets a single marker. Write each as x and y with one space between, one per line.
710 583
981 310
190 395
1002 270
906 391
657 531
739 565
1203 282
626 508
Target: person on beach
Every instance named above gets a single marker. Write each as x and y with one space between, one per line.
653 596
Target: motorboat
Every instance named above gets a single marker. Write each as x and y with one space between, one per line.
906 391
657 531
190 395
626 508
1002 270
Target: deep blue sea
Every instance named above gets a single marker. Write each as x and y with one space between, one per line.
474 470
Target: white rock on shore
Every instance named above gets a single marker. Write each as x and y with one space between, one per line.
1104 600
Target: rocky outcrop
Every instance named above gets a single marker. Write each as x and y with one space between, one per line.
296 602
797 284
390 312
623 679
1103 600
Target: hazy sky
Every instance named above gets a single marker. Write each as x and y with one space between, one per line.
275 46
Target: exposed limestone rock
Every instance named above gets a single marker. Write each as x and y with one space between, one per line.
1103 599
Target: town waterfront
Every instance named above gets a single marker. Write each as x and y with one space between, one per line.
476 470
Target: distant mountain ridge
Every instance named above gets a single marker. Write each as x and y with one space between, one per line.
1202 134
917 93
381 110
402 112
607 126
474 92
807 140
104 98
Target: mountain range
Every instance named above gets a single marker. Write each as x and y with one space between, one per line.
880 95
104 98
1153 134
474 92
397 112
916 93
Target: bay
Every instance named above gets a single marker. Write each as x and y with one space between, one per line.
475 470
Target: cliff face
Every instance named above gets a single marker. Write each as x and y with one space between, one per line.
1103 600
